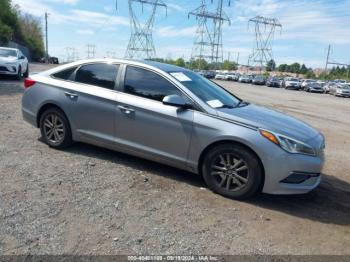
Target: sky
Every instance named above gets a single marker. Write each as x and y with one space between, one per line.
309 26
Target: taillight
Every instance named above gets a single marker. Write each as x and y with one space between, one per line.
28 82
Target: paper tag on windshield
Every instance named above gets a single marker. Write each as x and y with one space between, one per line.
215 103
181 77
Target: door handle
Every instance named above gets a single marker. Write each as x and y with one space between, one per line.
71 95
126 110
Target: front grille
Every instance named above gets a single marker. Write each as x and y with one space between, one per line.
3 68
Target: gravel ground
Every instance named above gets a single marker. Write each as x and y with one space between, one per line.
88 200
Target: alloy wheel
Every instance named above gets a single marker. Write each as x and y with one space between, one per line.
230 172
54 128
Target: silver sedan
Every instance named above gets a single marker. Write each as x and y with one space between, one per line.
174 116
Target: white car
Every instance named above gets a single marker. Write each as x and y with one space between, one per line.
292 83
306 82
220 76
13 62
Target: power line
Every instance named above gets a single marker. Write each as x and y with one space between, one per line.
208 39
141 44
265 29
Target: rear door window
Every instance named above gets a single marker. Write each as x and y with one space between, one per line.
65 74
102 75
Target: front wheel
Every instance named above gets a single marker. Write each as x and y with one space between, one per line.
55 128
19 73
26 73
232 171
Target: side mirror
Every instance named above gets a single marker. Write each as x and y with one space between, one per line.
175 100
22 57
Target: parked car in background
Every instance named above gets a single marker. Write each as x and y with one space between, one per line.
230 76
259 80
339 81
220 76
305 82
321 82
236 76
342 90
292 83
208 74
273 82
327 86
174 116
313 87
54 60
244 79
13 63
251 77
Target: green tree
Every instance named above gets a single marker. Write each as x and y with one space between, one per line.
271 65
282 68
180 62
228 65
303 69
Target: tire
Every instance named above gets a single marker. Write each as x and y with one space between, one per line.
221 174
63 136
26 73
19 73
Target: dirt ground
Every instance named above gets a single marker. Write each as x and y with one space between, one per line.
88 200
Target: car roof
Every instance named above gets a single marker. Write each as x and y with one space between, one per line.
150 64
9 48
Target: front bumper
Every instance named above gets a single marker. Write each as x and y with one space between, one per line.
343 94
287 173
295 87
316 90
8 69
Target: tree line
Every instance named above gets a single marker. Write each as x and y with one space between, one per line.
21 28
200 64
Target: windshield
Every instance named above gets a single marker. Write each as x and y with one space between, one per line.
7 53
294 79
207 91
345 87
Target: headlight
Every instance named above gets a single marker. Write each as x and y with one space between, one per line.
288 144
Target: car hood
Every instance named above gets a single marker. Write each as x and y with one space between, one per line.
8 59
274 121
293 82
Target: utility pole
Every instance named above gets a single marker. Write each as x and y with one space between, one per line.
237 58
329 51
47 38
329 61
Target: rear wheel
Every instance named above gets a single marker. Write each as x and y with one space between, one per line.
55 128
232 171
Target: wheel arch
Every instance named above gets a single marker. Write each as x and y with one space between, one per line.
45 107
233 142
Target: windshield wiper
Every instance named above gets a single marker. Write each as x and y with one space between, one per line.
227 106
242 103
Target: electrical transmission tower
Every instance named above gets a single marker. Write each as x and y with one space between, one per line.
91 51
141 40
71 54
265 29
208 40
